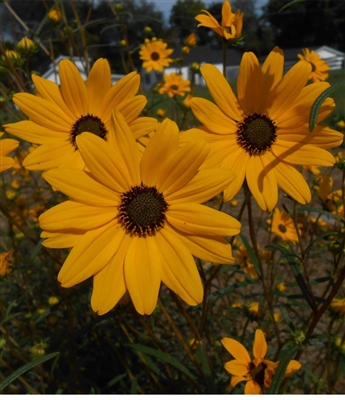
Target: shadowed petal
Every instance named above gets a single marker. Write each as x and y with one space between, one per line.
158 151
60 240
73 88
237 367
196 219
252 387
292 367
179 272
97 85
109 284
91 254
81 187
143 265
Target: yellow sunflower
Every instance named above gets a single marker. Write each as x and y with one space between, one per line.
155 55
338 306
231 26
6 146
135 221
282 225
258 373
319 67
263 133
174 85
59 115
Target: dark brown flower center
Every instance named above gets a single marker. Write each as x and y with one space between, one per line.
174 87
142 211
256 134
88 123
258 373
282 228
155 56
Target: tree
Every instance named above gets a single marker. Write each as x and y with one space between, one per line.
182 16
309 23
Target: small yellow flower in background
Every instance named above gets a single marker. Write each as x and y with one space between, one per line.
26 45
160 112
11 194
123 43
324 186
54 15
319 67
257 372
314 170
155 55
255 310
263 134
340 124
236 305
53 300
245 262
195 67
338 306
234 203
191 40
193 343
147 30
281 287
174 85
135 220
58 114
231 26
185 50
283 226
277 316
6 146
340 343
5 265
38 350
12 54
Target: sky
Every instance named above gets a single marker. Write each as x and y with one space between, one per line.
166 5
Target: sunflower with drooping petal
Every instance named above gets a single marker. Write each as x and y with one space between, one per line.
59 114
134 221
264 132
257 372
231 26
174 85
6 146
283 226
319 67
338 306
155 55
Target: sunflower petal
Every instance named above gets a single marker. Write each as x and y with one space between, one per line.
221 92
179 272
260 345
91 254
196 219
73 88
143 266
237 350
237 367
292 367
71 214
97 85
81 187
252 387
35 133
109 284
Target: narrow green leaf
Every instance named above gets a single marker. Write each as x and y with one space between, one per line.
291 258
314 111
202 358
287 318
287 354
224 291
164 357
36 250
317 210
20 371
251 253
134 386
113 381
9 318
291 4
